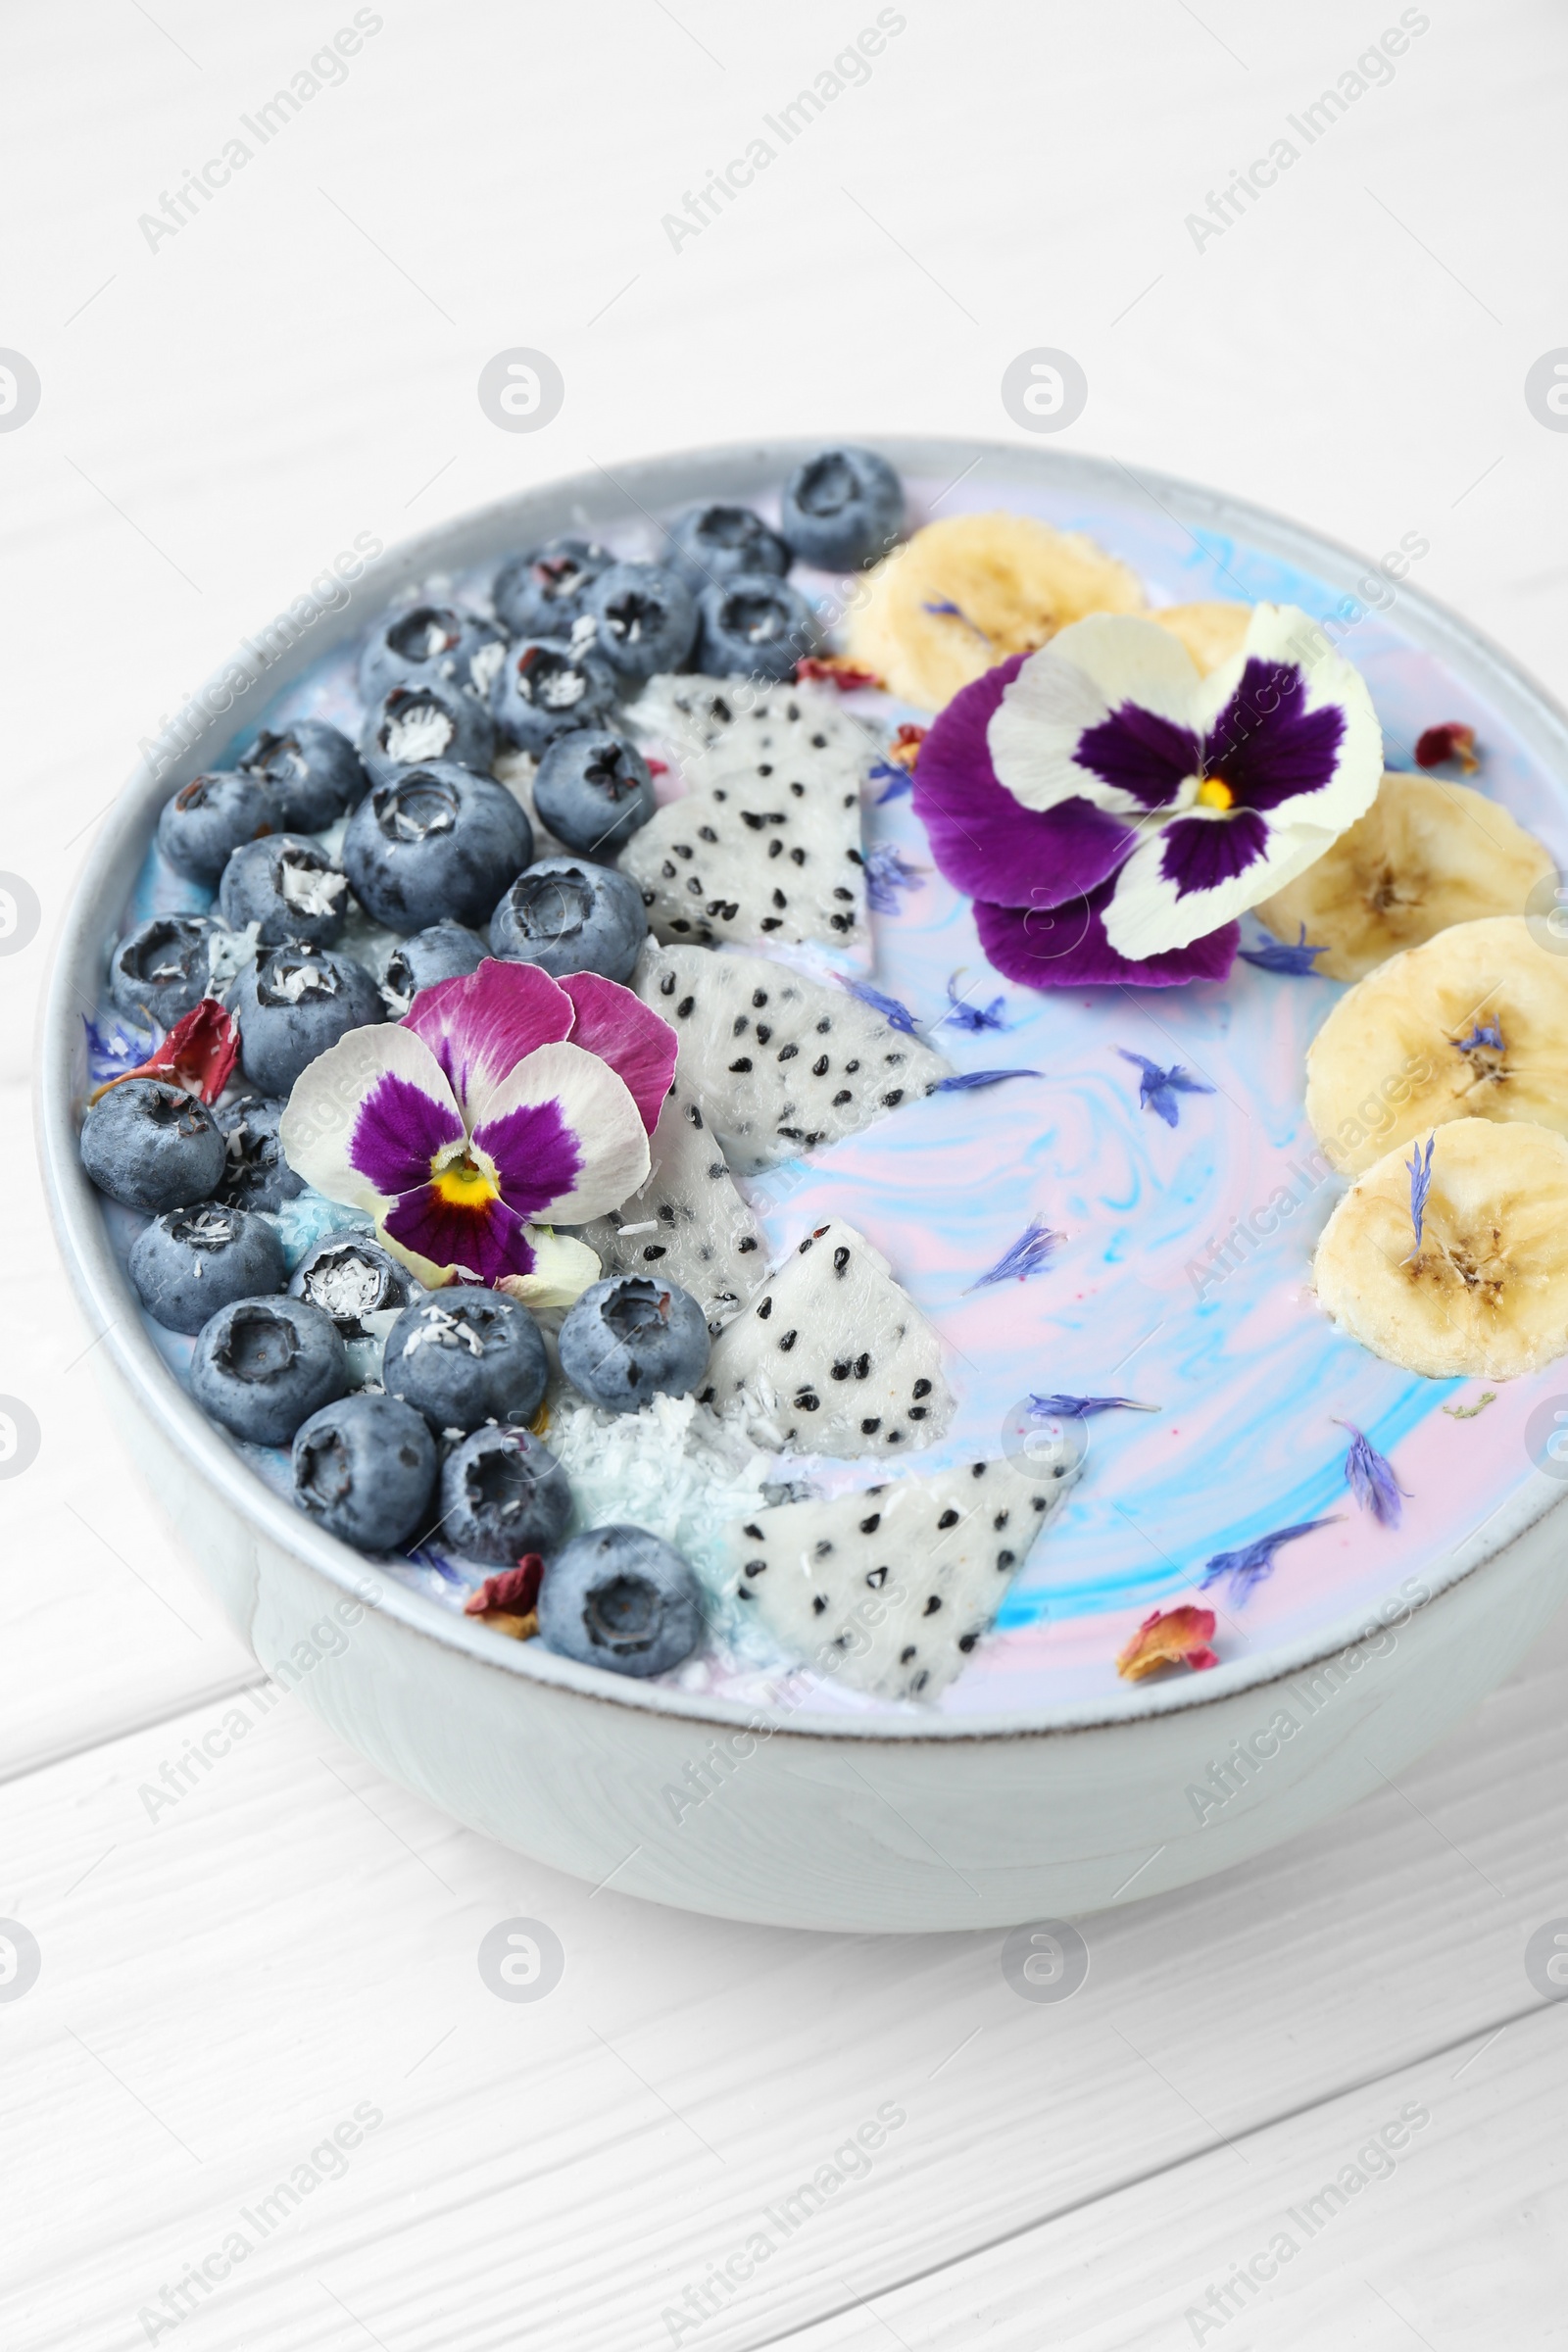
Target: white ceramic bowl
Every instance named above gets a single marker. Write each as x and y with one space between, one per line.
828 1821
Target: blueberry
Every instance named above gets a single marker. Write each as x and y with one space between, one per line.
365 1469
262 1365
291 1005
312 770
503 1495
446 951
289 886
621 1597
633 1338
159 971
544 689
567 915
348 1276
257 1175
754 626
152 1146
415 643
463 1356
206 820
842 509
191 1262
592 790
414 725
714 543
435 841
540 594
644 617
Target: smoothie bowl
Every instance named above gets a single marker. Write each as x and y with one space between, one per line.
831 1182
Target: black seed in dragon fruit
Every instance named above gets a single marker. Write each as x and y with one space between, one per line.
833 1357
687 1224
778 1063
890 1590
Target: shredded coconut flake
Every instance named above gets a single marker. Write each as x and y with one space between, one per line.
678 1471
228 955
422 735
310 888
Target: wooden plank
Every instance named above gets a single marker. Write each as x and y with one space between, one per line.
288 1936
1427 2208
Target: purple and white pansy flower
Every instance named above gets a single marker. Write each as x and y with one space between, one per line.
1111 811
502 1105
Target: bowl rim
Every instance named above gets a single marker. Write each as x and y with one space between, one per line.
639 489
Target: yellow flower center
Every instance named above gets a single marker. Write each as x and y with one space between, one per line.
1212 794
461 1181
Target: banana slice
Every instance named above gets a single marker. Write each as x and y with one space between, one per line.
1472 1025
1211 633
962 595
1425 855
1485 1293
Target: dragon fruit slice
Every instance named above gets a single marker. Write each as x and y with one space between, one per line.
889 1590
689 715
833 1356
779 1063
687 1219
765 844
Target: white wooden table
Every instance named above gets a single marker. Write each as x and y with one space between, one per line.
288 1943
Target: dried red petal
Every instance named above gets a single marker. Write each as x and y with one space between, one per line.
1170 1637
834 670
656 767
905 748
1453 740
198 1053
515 1592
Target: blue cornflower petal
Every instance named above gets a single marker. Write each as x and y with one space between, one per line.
897 781
1420 1186
886 874
1485 1033
1278 955
969 1079
1083 1408
1157 1089
1251 1564
1370 1477
1028 1255
897 1016
973 1017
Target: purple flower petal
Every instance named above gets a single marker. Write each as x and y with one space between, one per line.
587 1156
1200 853
1139 754
481 1026
397 1133
484 1243
1265 745
1065 947
625 1033
537 1155
986 843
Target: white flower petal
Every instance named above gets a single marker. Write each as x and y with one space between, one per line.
1087 672
564 1268
317 1126
600 1111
